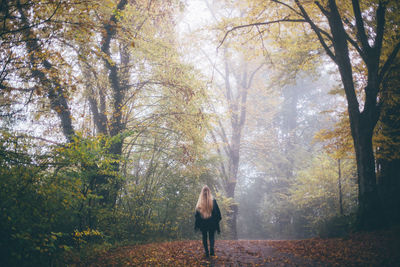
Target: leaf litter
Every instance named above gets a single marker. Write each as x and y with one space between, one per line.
359 249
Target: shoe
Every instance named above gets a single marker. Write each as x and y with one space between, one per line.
212 252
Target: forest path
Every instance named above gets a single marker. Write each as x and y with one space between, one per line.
254 253
358 249
191 253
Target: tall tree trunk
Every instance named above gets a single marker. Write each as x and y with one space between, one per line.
370 215
55 91
114 123
389 188
232 215
237 101
340 187
362 123
234 169
289 119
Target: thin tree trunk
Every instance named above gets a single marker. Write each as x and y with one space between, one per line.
340 188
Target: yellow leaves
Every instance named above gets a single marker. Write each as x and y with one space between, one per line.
338 142
87 232
81 236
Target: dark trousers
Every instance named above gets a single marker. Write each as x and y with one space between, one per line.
211 234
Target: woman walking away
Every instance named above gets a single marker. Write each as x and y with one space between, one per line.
207 217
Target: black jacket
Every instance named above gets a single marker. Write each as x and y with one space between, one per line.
210 224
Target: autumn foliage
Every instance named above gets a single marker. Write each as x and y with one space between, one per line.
361 249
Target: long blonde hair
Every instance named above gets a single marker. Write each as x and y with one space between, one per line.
205 203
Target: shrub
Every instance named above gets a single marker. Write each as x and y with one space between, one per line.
336 226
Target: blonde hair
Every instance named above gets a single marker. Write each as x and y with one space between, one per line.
205 203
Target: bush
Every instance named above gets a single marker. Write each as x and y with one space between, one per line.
336 226
61 205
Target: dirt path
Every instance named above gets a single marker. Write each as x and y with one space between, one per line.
252 253
360 249
191 253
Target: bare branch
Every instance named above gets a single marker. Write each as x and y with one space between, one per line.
380 27
288 6
323 10
286 19
26 27
356 46
212 63
317 31
360 26
253 74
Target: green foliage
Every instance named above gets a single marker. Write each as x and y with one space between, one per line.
315 192
31 212
54 205
51 204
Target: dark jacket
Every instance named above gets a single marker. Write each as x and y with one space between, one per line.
210 224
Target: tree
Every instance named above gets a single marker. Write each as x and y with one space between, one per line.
148 89
236 74
36 67
386 144
236 99
352 31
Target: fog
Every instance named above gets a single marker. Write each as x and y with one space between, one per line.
271 104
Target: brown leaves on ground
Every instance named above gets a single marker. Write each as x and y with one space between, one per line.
191 253
363 249
178 253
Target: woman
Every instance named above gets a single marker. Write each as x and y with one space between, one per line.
207 217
